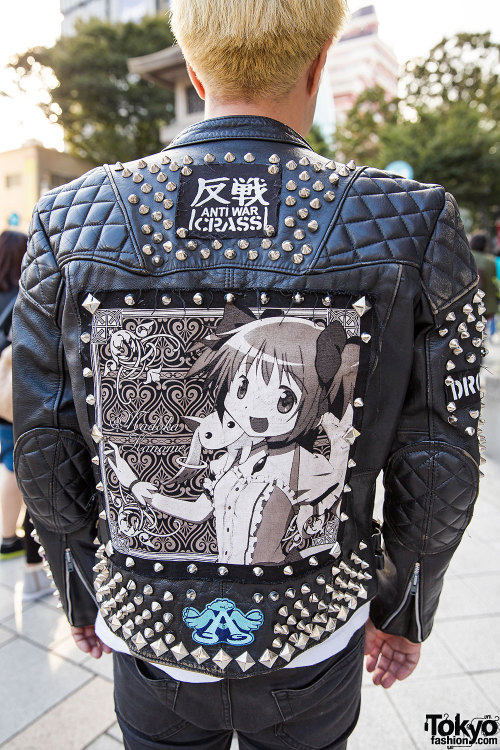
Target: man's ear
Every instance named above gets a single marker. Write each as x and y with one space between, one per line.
200 88
316 69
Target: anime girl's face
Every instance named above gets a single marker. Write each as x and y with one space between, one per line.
263 409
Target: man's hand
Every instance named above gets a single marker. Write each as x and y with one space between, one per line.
87 641
389 657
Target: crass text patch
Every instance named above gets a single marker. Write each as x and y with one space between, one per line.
222 200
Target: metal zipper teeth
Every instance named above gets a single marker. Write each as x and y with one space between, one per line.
80 575
414 580
68 566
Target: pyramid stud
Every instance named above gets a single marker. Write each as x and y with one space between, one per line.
274 159
366 338
362 545
129 562
268 658
85 338
158 567
229 157
141 164
313 226
342 170
200 655
291 165
170 638
290 200
91 303
99 487
305 589
351 435
249 157
126 172
139 641
245 661
313 560
318 186
167 618
329 196
361 306
450 365
358 402
257 598
287 652
209 158
148 590
97 435
306 249
290 593
90 399
159 647
221 659
179 651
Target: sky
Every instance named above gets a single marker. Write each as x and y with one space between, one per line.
410 28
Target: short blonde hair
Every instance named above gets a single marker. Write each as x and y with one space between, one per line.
254 48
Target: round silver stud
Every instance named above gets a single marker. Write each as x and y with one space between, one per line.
229 297
287 246
327 301
470 431
186 171
274 254
304 176
197 299
129 300
168 203
264 298
162 177
157 260
318 186
205 253
304 162
154 168
258 572
290 200
474 413
143 210
297 258
329 196
298 298
222 570
191 594
192 245
266 244
174 166
181 255
147 249
126 172
302 213
216 244
315 203
299 234
146 229
157 215
171 186
273 169
90 400
138 178
274 596
146 188
230 253
452 419
269 230
85 338
142 164
243 244
305 193
168 246
471 358
209 158
182 232
290 221
257 598
249 157
229 157
334 179
133 199
166 300
168 224
192 568
313 226
291 185
274 159
291 165
451 406
157 237
253 255
306 249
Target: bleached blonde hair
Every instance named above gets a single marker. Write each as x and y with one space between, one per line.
254 48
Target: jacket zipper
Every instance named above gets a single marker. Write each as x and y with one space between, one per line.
69 569
411 590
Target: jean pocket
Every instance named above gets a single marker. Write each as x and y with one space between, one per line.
145 697
325 710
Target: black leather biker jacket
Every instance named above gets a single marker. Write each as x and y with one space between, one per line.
218 348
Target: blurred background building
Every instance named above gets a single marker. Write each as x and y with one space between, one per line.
108 10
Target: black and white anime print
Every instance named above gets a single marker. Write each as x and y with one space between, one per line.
223 429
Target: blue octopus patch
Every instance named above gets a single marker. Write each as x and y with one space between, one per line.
222 622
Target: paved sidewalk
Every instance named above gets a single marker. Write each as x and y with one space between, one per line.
53 697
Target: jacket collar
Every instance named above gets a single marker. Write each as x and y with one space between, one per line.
244 127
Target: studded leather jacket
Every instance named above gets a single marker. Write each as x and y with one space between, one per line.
218 348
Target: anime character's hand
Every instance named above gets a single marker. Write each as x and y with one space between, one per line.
123 472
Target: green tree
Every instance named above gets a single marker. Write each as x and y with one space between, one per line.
106 112
318 142
358 137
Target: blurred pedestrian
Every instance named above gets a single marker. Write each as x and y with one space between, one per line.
12 249
487 269
217 350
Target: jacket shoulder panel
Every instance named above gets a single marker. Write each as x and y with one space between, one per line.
384 218
84 217
448 267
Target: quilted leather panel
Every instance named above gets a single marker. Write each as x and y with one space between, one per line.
55 477
430 487
40 276
84 217
447 269
383 218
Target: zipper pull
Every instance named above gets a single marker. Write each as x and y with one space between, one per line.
415 580
69 559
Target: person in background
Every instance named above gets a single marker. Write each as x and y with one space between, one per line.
486 267
12 249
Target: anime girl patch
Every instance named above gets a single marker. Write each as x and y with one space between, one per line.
225 432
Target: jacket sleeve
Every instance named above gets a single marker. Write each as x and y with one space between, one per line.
52 462
432 474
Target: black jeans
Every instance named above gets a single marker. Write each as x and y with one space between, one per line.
308 708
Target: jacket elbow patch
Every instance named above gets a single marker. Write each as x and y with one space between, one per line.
55 476
430 487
